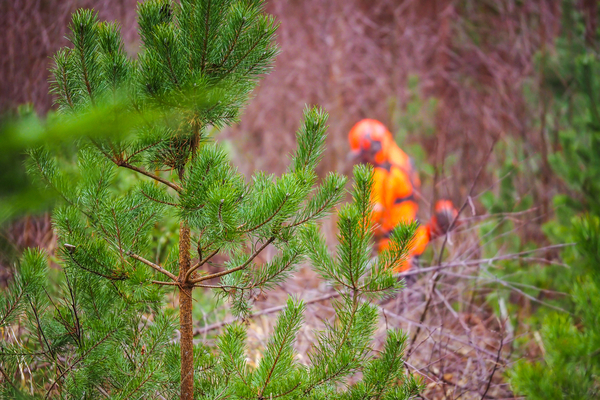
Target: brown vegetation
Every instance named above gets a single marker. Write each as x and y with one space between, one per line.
353 58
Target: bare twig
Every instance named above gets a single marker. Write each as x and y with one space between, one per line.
448 335
495 364
437 276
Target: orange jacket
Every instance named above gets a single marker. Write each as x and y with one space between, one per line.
394 202
394 184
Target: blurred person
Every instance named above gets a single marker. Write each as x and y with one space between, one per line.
395 182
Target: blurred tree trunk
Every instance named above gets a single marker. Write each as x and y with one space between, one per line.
590 13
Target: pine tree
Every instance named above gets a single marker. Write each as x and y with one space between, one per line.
106 331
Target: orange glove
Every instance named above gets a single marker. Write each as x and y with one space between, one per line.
440 223
444 215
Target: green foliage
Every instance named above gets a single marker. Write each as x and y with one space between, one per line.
579 161
277 373
497 235
28 286
343 348
509 175
380 373
570 367
107 330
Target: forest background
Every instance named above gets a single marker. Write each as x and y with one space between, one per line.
452 80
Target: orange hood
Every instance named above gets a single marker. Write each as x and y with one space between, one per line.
369 135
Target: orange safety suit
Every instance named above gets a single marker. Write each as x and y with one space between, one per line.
394 184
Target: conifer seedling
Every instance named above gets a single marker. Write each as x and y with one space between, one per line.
107 332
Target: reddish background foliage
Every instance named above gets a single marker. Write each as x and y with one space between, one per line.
354 58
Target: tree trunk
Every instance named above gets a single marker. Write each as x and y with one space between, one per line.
185 316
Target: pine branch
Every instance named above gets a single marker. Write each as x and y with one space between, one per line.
80 44
136 235
206 31
142 383
141 150
146 195
172 72
277 362
339 372
223 287
280 350
142 171
111 278
119 242
258 41
239 373
46 178
13 305
67 93
287 196
166 283
74 308
234 41
199 264
350 253
78 361
271 277
39 328
220 211
330 376
350 322
119 161
71 329
317 212
152 265
232 270
7 379
258 62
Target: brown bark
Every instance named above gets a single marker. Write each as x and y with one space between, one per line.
185 316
